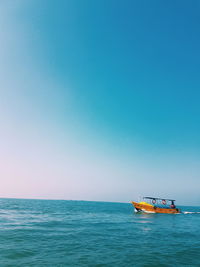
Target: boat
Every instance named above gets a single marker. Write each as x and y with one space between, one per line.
156 205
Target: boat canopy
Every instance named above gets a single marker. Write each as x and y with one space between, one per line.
157 198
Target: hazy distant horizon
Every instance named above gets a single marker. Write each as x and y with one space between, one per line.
87 200
100 100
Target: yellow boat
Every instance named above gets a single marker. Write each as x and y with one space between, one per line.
156 205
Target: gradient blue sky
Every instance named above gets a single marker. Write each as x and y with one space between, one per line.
99 100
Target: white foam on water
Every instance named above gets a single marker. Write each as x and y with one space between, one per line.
191 212
148 211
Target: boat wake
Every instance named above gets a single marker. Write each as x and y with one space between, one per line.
191 212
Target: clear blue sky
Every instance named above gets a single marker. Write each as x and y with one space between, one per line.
99 100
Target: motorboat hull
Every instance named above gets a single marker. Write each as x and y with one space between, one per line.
153 209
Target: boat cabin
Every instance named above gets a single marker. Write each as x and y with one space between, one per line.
160 202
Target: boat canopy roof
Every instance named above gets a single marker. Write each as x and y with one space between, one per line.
158 198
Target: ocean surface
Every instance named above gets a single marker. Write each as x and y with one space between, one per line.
81 233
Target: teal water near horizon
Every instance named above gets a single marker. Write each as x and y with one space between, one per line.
83 233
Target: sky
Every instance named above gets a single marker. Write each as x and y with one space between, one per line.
99 100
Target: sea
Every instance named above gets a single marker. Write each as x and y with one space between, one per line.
86 233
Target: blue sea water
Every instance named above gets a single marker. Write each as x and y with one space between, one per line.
81 233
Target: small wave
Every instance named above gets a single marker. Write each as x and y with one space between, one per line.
191 212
